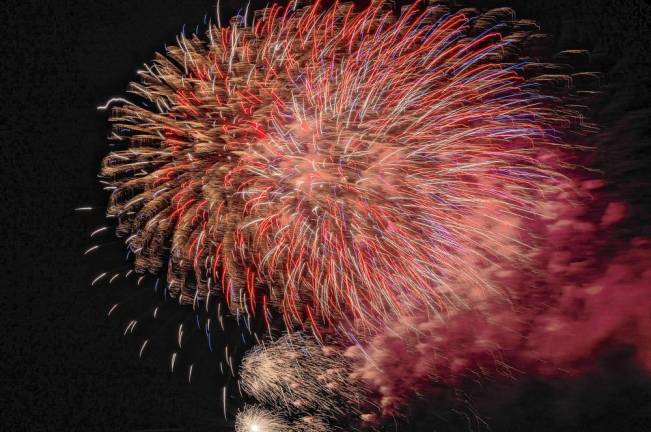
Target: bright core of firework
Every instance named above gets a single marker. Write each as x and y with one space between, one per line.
254 419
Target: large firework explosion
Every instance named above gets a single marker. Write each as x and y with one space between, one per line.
333 164
387 182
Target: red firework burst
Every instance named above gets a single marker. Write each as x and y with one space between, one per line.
334 163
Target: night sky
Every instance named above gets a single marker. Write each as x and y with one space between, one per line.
65 366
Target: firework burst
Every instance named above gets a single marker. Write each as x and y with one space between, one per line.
297 375
332 164
399 184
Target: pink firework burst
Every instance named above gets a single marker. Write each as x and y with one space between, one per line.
340 166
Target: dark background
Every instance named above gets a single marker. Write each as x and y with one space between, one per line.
65 366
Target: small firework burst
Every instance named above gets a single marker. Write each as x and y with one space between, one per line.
297 375
332 163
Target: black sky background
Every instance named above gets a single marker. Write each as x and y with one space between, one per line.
65 366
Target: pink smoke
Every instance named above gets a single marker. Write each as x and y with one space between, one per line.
585 288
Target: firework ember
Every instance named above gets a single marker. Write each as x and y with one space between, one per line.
334 164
